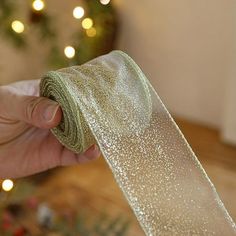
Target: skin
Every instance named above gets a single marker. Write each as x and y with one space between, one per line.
26 144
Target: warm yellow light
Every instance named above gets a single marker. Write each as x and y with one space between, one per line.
38 5
78 12
18 26
104 2
87 23
91 32
7 185
69 51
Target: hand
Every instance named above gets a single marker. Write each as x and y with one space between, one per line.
26 144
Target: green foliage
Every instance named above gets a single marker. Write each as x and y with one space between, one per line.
105 22
102 225
7 8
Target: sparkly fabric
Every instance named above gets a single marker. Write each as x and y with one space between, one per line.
109 101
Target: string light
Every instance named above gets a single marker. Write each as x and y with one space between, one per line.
38 5
69 51
104 2
18 26
91 32
7 185
87 23
78 12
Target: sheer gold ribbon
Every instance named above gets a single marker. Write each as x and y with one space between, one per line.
109 101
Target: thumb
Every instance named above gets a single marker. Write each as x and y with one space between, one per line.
40 112
37 111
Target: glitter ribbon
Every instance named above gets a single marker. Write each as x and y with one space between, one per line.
109 101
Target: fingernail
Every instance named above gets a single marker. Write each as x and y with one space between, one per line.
96 149
50 111
93 152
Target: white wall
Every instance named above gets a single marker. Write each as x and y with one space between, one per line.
185 48
229 118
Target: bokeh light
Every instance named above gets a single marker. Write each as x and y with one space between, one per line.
38 5
87 23
104 2
18 26
78 12
91 32
7 185
69 51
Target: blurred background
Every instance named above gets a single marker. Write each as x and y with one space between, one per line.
187 50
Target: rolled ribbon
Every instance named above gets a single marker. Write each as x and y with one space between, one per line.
110 102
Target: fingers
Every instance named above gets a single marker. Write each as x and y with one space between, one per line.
37 111
91 153
69 158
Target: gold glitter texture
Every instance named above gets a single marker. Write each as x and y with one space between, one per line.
109 101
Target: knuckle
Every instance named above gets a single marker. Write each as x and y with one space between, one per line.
31 105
